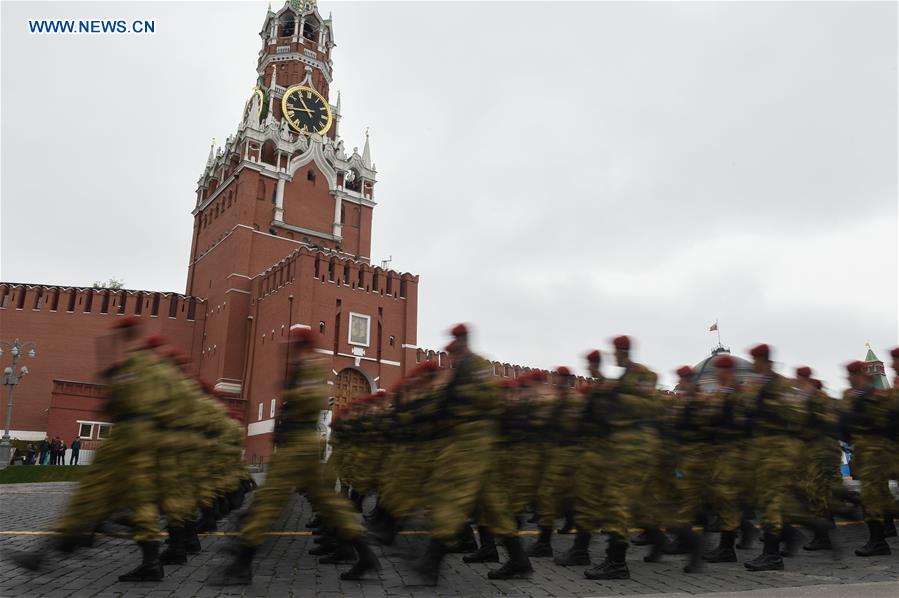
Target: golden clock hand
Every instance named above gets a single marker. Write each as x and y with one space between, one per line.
305 108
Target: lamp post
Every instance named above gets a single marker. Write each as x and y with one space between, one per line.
11 377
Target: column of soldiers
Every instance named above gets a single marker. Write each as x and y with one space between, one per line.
454 446
155 464
617 454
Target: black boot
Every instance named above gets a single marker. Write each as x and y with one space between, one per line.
174 554
770 559
889 527
748 535
568 526
207 522
465 541
357 500
223 507
344 553
314 523
821 538
579 553
34 560
366 561
487 552
693 543
191 540
543 546
238 572
725 552
614 566
641 539
876 545
679 545
150 568
235 498
327 543
518 566
383 526
657 541
792 539
428 566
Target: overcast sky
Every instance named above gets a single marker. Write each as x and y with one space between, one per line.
556 173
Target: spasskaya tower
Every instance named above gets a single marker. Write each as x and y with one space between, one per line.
282 235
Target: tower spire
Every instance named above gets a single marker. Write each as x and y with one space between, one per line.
366 151
211 158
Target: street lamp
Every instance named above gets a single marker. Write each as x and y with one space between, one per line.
10 378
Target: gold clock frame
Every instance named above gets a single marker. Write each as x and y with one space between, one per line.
300 88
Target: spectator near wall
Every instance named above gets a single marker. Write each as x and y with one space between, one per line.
76 448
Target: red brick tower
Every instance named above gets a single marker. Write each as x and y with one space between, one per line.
282 236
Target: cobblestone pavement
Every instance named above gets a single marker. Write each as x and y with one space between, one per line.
285 569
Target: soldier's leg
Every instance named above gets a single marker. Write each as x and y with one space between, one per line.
873 465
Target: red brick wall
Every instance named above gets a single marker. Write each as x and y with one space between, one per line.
67 341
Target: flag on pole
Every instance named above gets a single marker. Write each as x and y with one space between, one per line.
713 327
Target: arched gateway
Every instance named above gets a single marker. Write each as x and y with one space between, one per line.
350 384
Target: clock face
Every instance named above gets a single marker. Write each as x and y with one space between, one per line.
306 110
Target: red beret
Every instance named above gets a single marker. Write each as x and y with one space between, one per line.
302 335
459 330
895 352
593 356
762 350
171 353
818 384
856 367
425 367
724 361
206 385
538 376
156 340
685 371
563 371
804 372
127 322
622 343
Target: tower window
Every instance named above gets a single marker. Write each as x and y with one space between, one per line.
321 327
310 32
310 176
391 340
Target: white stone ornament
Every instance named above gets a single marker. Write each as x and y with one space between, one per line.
285 130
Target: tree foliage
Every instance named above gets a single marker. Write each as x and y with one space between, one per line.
113 284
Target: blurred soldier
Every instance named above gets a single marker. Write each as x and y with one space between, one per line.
592 467
867 424
124 470
696 438
631 413
554 495
821 456
469 410
776 418
296 465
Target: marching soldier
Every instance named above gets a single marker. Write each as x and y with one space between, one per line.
776 419
296 464
125 466
469 411
591 468
869 423
821 454
629 411
554 497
